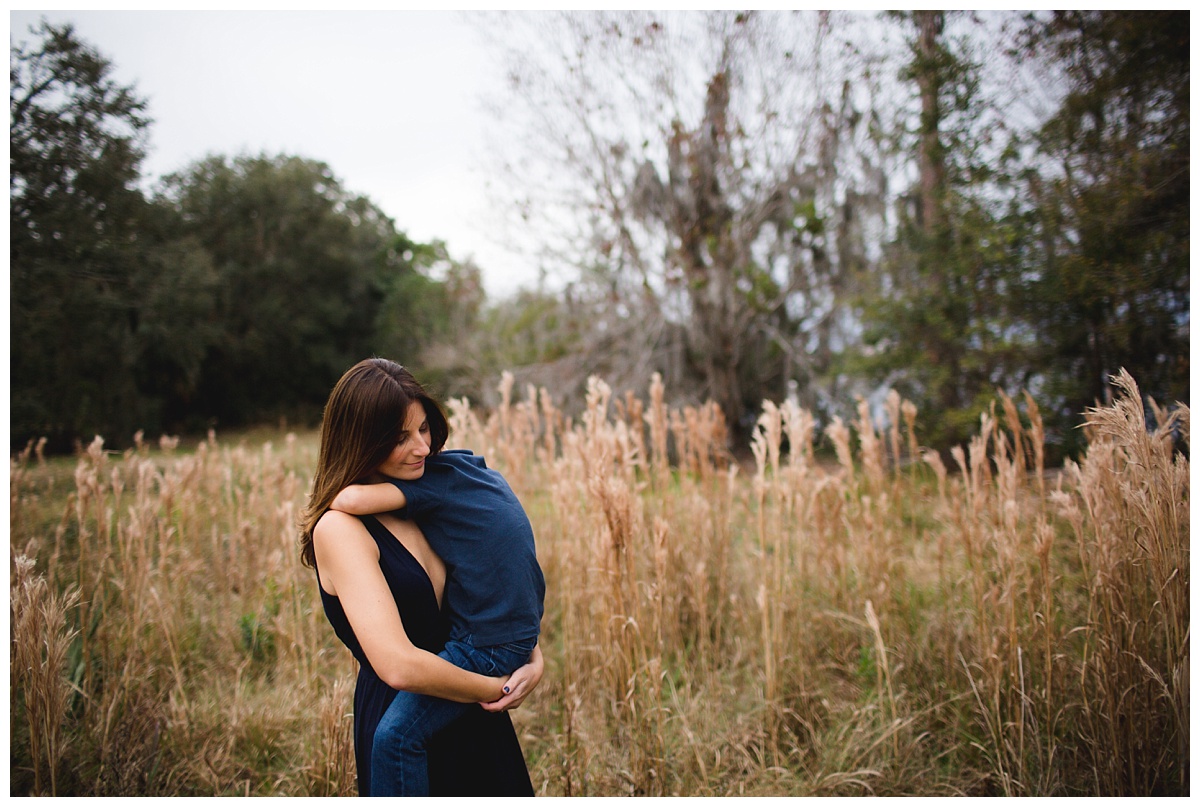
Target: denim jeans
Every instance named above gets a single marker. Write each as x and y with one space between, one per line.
399 765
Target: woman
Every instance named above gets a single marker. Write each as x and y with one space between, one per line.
381 586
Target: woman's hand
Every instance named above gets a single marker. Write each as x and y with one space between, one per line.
523 681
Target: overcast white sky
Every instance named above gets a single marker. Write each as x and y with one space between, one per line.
390 100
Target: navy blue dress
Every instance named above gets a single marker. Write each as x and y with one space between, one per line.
477 755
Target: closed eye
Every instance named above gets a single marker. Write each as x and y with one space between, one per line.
423 429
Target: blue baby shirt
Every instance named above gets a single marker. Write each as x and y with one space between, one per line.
473 520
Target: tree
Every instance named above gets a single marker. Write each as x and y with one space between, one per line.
1044 253
1113 205
176 321
707 179
299 264
75 147
942 324
429 317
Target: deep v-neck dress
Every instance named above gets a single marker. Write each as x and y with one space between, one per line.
478 754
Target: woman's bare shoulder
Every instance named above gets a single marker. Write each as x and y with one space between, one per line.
333 522
341 533
343 548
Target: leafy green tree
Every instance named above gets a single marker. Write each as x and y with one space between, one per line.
176 320
429 316
75 147
239 293
1052 257
1112 255
942 325
298 264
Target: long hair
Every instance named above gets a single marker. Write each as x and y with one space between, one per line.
361 425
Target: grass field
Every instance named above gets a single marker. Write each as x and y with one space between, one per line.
882 624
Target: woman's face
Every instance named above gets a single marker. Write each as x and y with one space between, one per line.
407 460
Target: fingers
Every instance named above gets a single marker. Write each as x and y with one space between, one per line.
517 688
510 701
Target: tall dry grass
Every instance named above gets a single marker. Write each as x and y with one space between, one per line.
839 613
198 661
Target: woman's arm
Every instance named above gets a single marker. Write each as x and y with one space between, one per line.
348 560
523 681
362 500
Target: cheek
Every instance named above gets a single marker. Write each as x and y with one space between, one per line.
394 457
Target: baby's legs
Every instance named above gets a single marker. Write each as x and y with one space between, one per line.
399 760
496 659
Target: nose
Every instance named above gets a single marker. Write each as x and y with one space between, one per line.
421 448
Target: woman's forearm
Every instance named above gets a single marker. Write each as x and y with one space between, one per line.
416 670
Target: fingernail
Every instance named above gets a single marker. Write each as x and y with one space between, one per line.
506 690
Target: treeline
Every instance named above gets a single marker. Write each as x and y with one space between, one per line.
236 292
755 206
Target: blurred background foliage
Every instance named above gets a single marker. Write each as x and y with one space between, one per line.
754 205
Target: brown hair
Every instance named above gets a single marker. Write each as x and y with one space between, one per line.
362 422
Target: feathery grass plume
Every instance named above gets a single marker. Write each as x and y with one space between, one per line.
332 772
909 411
699 443
870 449
892 405
706 437
770 429
765 447
517 438
595 416
631 412
1135 487
1037 439
799 424
961 461
504 411
977 451
840 435
657 420
508 423
552 420
615 549
1050 725
679 439
1013 420
534 428
763 443
934 461
35 448
466 430
41 639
